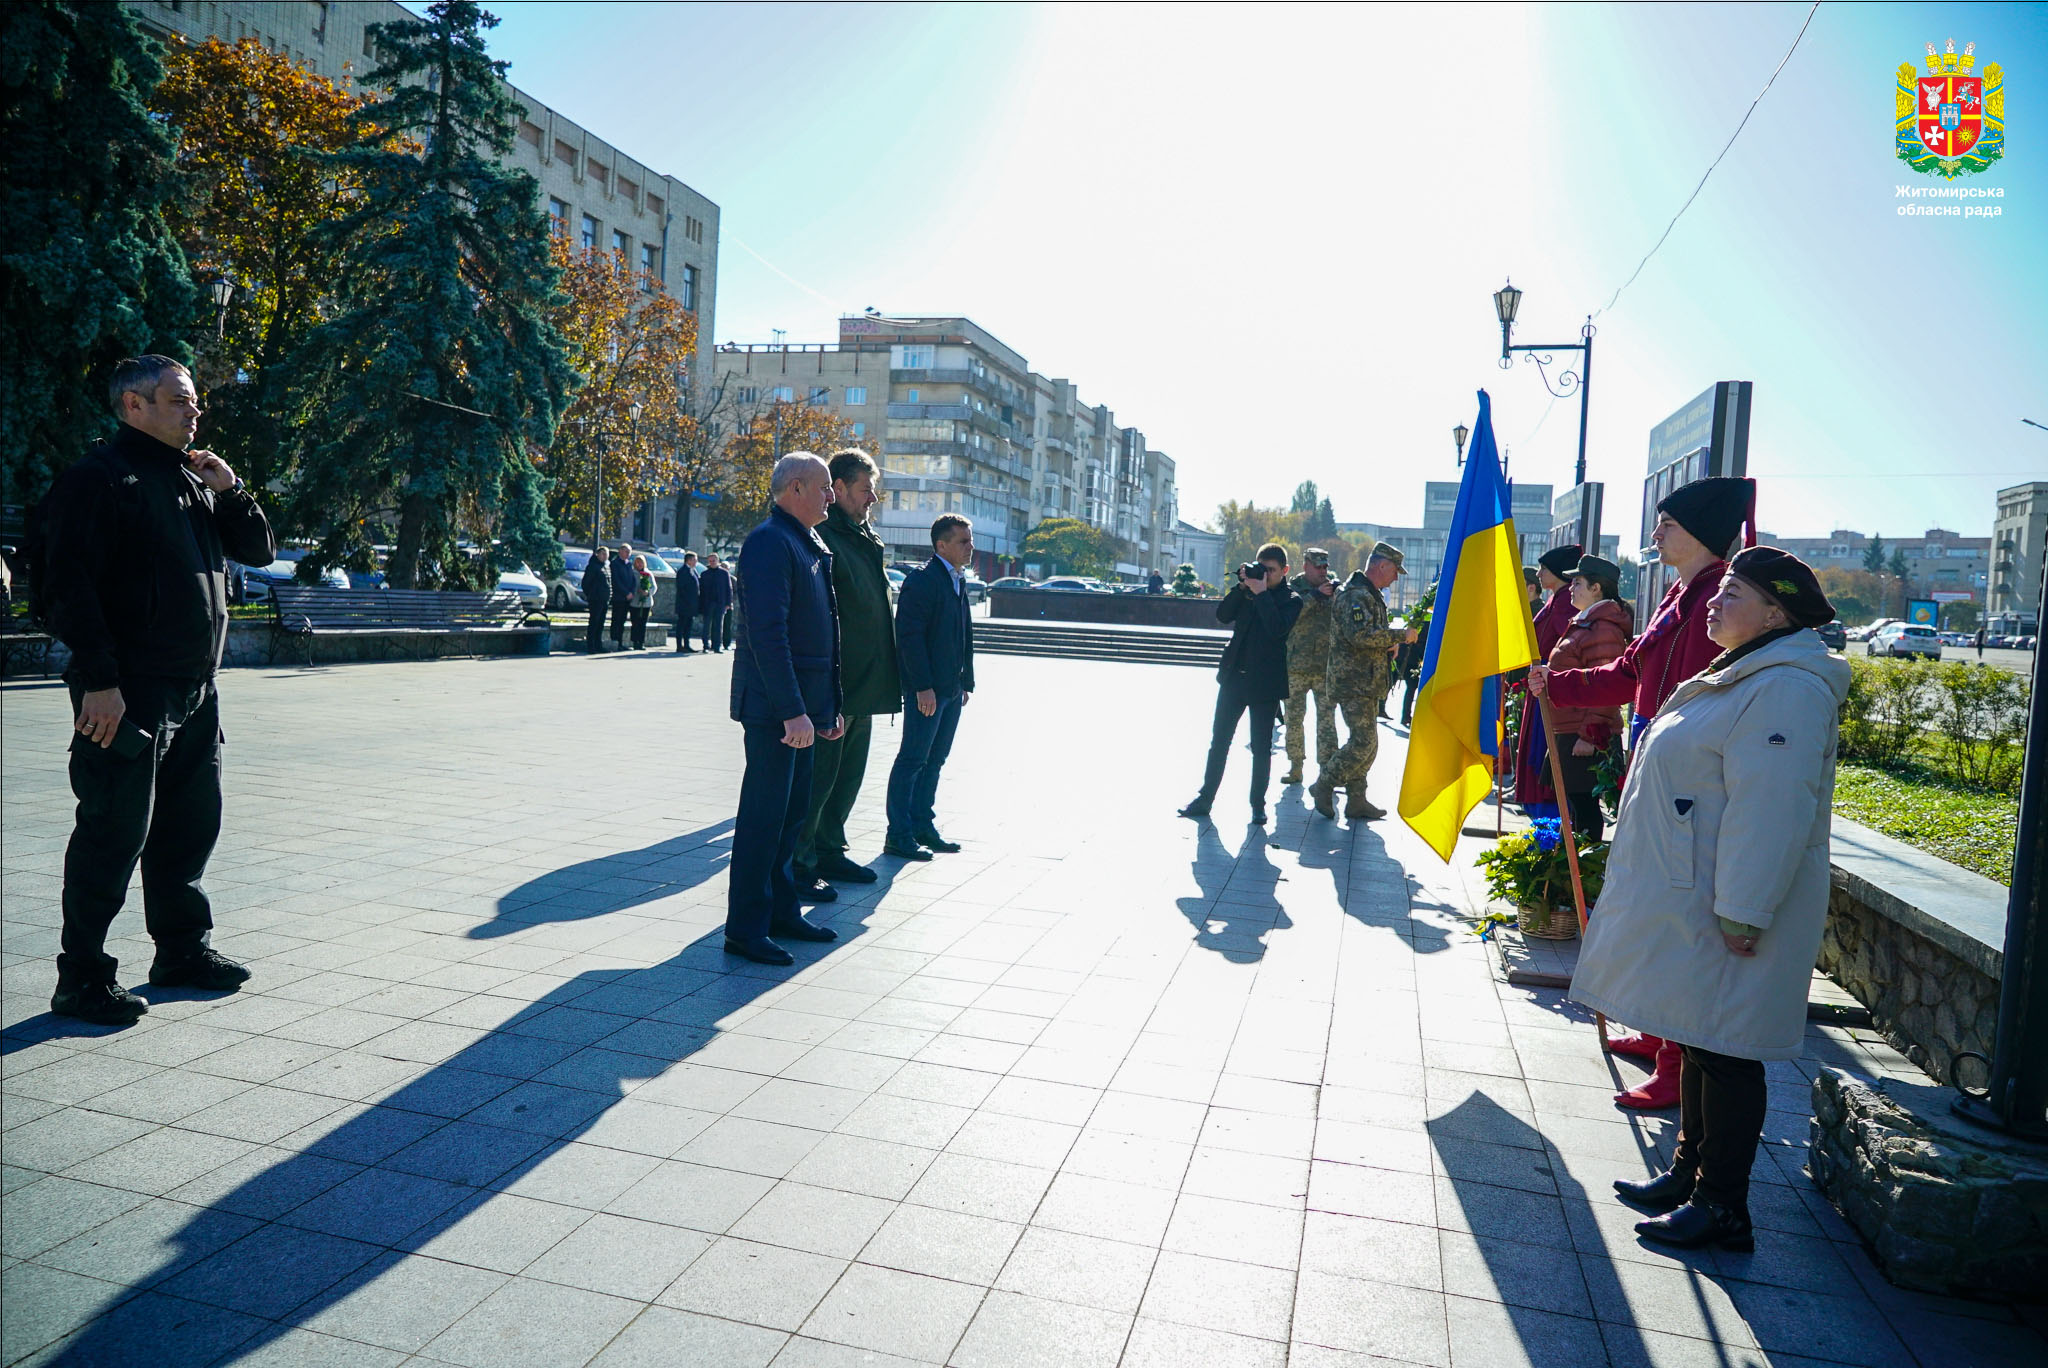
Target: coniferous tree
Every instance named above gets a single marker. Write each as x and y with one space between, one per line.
441 370
88 271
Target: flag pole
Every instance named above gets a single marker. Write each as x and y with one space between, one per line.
1564 827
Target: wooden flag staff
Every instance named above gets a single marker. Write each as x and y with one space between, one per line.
1564 827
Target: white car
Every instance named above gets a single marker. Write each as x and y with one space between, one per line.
1904 639
521 580
895 582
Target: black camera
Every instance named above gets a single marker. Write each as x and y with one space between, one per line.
1251 570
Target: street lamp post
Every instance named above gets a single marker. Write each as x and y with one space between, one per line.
603 438
1507 301
1459 434
223 291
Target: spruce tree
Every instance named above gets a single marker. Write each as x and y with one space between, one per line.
88 271
440 370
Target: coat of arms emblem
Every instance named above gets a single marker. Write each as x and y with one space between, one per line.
1949 121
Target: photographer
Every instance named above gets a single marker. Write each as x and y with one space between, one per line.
1261 610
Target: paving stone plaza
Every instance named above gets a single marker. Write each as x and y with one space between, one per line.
1107 1087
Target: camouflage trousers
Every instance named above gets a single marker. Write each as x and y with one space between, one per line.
1299 687
1361 748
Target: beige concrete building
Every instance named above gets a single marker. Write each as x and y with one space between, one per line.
1937 561
2018 536
961 424
597 195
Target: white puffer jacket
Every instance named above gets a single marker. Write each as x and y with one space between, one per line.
1725 814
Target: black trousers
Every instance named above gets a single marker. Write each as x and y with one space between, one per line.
775 793
838 768
1408 700
639 627
161 808
619 611
1231 704
1721 1101
683 620
597 627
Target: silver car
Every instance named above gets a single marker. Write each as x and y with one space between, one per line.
1904 639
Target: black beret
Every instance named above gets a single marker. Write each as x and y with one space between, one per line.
1559 560
1713 510
1529 574
1598 569
1787 579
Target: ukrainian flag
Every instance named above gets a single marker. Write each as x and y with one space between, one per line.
1480 630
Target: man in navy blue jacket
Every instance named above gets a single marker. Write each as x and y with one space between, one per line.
714 599
785 693
935 657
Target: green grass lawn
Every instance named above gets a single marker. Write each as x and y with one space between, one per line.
1965 826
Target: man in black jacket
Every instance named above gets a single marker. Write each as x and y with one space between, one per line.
935 659
136 585
597 593
687 578
622 593
1261 610
714 600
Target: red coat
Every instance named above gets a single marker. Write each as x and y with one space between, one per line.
1672 649
1552 619
1532 781
1596 636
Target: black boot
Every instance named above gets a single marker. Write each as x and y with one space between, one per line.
1669 1189
101 1003
1699 1223
205 968
1198 808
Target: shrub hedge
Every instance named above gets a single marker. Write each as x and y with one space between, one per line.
1966 721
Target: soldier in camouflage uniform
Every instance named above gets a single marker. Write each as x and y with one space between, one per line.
1308 665
1361 672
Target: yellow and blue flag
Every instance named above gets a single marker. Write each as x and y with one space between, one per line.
1480 630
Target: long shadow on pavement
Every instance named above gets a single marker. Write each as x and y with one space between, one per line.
291 1241
1235 929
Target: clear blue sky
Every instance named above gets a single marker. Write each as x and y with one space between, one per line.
1268 235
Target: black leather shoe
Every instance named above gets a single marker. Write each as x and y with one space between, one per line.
930 837
905 851
1258 816
205 968
760 951
1198 808
1667 1190
1700 1223
816 890
802 929
839 869
103 1004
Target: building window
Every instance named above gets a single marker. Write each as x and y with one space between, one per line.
690 288
911 358
630 189
910 396
856 394
565 154
558 216
598 173
820 394
647 262
621 244
656 205
785 394
589 233
529 133
749 395
860 430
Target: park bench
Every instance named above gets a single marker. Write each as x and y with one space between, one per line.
27 644
404 616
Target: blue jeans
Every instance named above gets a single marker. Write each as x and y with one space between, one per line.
775 793
914 779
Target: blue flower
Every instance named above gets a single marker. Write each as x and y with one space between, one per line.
1548 833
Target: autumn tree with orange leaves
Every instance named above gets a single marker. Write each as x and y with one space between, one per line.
633 344
773 430
252 127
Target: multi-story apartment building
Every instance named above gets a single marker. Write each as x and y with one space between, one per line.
597 196
961 424
2018 536
1938 561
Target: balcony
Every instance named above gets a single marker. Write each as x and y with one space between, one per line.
955 412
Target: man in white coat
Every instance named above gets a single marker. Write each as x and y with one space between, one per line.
1716 892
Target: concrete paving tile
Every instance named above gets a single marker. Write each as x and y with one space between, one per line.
259 1113
1380 1194
991 1135
1379 1319
1115 1210
821 1220
895 1312
1506 1213
759 1284
1381 1251
78 1078
1671 1299
1163 1344
660 1337
270 1272
622 1257
942 1244
1485 1334
306 1349
1016 1331
1515 1274
762 1147
63 1139
43 1214
44 1304
851 1069
906 1120
981 1187
1244 1231
156 1163
803 1352
855 1163
399 1301
1791 1320
544 1109
1157 1118
531 1324
143 1246
497 1231
156 1328
1128 1158
692 1196
1219 1294
380 1205
788 1102
362 1134
1085 1270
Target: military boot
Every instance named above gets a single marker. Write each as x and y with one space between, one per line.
1293 775
1325 795
1358 808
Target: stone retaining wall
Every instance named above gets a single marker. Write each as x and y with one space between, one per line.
1916 940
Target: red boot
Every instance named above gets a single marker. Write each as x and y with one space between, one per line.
1660 1091
1635 1043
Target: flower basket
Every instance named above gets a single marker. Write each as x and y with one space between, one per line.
1547 923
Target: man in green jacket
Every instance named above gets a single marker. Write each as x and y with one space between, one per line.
867 667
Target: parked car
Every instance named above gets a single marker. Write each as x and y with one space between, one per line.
977 588
1074 584
1833 635
1011 582
258 579
896 578
521 580
565 591
1904 639
1870 629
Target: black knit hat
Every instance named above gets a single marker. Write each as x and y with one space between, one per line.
1787 579
1713 510
1559 560
1529 575
1598 569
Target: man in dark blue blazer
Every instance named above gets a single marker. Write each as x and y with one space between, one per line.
714 599
935 657
689 584
785 694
